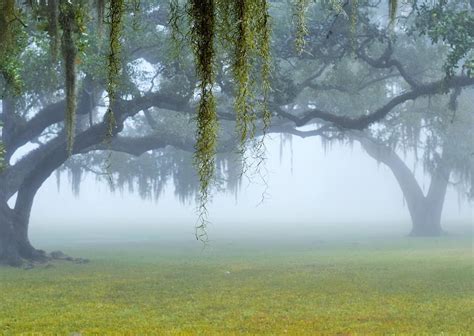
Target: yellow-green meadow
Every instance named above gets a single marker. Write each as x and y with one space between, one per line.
403 286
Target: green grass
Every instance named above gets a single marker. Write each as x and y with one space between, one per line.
404 286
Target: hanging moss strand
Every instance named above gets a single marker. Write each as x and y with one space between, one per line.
202 14
100 10
176 13
114 65
114 68
392 11
242 68
69 53
300 7
353 30
264 27
53 30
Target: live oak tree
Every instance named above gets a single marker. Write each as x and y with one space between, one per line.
435 129
73 84
437 137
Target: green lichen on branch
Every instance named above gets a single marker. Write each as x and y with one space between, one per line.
202 14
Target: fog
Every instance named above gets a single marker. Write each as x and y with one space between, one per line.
311 192
251 167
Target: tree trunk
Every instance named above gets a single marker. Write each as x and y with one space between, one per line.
425 211
15 247
426 217
426 221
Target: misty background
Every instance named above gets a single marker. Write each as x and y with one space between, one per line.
311 190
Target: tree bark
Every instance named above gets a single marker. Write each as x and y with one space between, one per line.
425 211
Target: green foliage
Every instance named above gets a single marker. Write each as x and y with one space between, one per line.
12 41
452 24
397 287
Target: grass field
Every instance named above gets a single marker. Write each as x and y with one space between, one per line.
394 286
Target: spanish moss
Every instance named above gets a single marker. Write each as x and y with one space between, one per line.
3 152
177 15
202 13
392 10
243 29
136 10
354 13
114 65
300 8
53 30
67 20
264 27
100 10
244 45
114 68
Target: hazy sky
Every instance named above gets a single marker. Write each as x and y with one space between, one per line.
343 187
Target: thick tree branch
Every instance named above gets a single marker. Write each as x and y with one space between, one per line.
362 122
386 62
